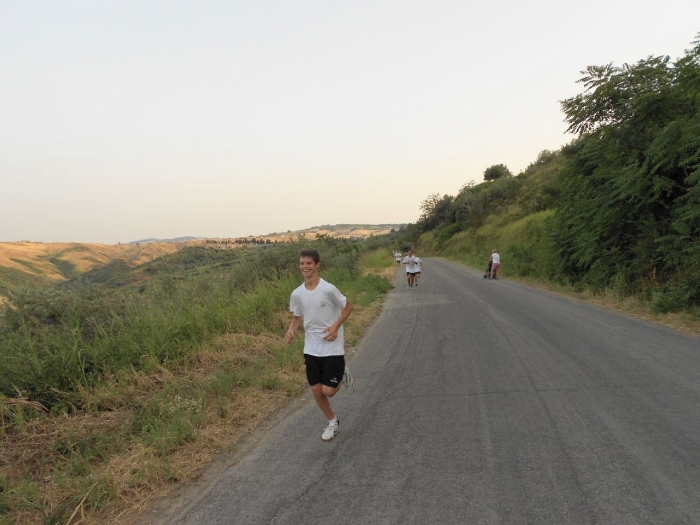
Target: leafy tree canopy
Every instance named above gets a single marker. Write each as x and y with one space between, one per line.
497 171
630 198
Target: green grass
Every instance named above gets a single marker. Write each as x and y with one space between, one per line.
378 260
140 351
13 280
523 245
65 268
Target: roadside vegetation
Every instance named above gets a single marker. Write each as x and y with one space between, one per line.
120 385
614 214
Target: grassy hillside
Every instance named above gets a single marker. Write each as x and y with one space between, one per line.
523 242
615 210
123 384
37 265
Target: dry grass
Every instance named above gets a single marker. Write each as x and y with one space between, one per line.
32 257
121 481
137 473
680 321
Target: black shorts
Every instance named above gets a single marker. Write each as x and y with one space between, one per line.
325 370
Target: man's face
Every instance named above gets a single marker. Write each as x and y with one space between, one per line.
308 267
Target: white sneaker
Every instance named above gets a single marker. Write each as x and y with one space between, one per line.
331 430
349 380
408 287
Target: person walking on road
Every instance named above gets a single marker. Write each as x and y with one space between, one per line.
411 267
495 264
397 255
323 310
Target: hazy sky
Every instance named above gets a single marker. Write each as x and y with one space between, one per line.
121 120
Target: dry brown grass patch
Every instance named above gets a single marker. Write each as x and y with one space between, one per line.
681 321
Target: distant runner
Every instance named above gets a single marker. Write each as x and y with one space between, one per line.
411 268
397 255
323 310
420 268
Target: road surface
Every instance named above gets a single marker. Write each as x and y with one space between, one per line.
484 402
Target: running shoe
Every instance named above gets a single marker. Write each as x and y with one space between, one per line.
349 380
331 430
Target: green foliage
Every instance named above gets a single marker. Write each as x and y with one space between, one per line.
629 205
618 208
138 342
58 341
497 171
436 211
65 268
378 260
525 246
14 280
446 233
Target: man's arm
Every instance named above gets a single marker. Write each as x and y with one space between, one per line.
332 331
293 327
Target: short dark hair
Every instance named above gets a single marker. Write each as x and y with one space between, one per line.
310 252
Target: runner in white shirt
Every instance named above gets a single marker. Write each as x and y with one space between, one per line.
411 267
419 269
397 255
323 310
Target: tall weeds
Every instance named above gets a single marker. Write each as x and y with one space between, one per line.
126 382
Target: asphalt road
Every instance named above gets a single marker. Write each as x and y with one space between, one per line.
485 402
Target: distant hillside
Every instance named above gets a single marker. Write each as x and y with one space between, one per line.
335 230
153 240
332 230
36 265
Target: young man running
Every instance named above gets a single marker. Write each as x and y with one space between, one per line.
419 269
323 310
411 267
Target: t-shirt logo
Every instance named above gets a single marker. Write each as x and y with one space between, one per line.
324 304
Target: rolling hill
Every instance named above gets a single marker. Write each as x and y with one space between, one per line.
38 265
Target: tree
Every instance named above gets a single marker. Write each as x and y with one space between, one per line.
630 195
436 210
497 171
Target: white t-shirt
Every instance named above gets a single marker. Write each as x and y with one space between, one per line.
411 264
418 263
320 307
398 256
496 258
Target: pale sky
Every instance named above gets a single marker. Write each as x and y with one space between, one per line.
122 120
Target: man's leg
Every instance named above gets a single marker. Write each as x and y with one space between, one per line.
321 395
332 380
